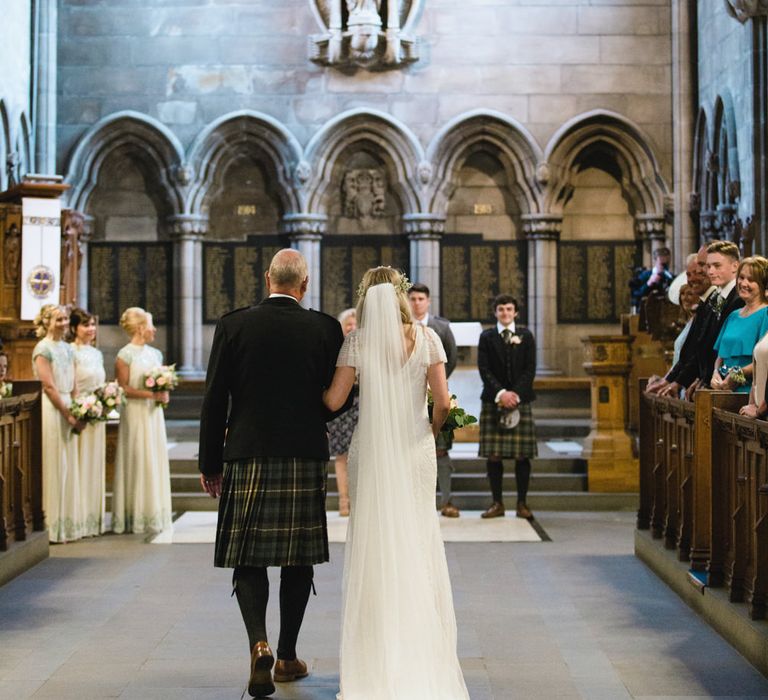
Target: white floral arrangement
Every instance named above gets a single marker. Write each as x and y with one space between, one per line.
6 390
162 378
111 396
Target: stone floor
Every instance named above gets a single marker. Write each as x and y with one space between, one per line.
578 617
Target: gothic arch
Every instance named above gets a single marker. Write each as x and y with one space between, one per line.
24 146
725 164
641 179
700 150
233 135
147 139
377 131
480 129
5 145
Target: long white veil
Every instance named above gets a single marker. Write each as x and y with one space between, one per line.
392 626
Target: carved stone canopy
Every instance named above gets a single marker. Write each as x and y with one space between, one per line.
743 10
370 34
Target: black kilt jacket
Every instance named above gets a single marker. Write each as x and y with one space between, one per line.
268 368
515 374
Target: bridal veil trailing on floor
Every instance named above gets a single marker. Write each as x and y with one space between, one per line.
398 636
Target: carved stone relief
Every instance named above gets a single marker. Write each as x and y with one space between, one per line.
364 192
12 254
360 33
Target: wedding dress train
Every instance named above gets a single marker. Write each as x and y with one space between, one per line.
398 635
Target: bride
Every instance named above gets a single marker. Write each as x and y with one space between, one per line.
398 633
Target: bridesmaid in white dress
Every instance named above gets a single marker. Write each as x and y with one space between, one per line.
89 376
142 492
53 364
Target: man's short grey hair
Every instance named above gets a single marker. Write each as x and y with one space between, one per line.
693 257
344 315
288 269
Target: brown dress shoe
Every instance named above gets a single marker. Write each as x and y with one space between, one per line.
450 511
523 511
495 511
286 671
260 683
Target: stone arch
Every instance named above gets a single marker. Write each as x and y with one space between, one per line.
147 140
640 175
484 130
244 132
372 130
725 146
700 149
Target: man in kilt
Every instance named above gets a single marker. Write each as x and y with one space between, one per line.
264 450
506 359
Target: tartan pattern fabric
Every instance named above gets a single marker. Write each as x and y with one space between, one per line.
518 443
272 513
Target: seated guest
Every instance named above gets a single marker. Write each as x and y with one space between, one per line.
742 329
698 284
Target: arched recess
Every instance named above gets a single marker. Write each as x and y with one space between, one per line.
155 147
700 151
723 166
609 133
502 140
258 146
5 145
384 139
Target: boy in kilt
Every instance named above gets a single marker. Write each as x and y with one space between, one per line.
506 359
264 451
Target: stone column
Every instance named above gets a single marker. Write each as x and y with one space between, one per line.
82 282
44 67
683 114
425 232
543 232
306 233
187 231
650 230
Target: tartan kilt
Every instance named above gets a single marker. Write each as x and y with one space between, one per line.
272 513
518 443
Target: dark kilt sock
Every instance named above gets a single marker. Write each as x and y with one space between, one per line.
295 585
252 590
496 477
523 478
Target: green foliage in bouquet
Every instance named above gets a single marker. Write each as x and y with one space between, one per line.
457 416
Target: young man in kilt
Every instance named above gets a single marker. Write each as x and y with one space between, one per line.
506 359
264 450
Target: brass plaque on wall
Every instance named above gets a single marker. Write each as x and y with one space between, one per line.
130 274
593 280
344 260
233 274
474 271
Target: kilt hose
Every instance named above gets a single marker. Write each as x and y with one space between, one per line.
518 443
272 513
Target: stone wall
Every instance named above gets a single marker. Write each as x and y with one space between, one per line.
15 76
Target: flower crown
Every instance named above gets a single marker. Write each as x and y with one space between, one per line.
402 286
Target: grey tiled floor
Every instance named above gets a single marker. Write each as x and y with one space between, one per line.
579 617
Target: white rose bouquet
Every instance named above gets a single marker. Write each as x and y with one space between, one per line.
162 378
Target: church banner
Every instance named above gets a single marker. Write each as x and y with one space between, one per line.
40 254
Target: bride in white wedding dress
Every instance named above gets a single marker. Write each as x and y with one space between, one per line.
398 628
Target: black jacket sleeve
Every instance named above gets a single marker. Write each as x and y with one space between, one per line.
490 380
523 386
451 352
213 416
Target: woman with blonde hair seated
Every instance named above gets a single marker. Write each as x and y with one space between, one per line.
142 491
53 363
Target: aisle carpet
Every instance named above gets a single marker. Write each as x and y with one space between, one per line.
199 527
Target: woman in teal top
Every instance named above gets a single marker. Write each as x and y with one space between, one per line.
743 328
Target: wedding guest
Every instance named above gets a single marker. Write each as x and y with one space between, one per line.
418 296
142 492
89 376
53 363
758 399
340 429
4 377
506 358
742 329
689 301
658 278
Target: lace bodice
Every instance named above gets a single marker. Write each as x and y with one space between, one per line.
89 368
140 359
61 357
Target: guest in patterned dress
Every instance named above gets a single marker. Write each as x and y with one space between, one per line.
506 358
142 492
340 429
89 376
53 363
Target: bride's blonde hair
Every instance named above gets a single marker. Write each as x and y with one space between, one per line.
383 275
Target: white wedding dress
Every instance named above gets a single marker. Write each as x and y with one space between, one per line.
398 635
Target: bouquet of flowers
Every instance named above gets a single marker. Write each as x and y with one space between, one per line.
735 373
457 417
87 408
111 396
162 378
6 390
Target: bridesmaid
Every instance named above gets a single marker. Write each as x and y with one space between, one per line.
53 363
142 492
89 376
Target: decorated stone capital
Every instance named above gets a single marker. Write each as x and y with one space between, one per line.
650 227
744 10
726 221
424 226
305 226
542 227
186 227
708 225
